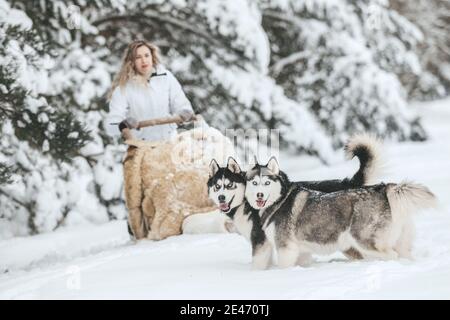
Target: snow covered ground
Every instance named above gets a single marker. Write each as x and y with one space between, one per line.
99 262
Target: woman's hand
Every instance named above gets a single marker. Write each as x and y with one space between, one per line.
186 115
130 123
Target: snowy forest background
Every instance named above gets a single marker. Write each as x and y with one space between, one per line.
317 70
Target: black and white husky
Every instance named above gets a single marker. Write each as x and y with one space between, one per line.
227 188
365 222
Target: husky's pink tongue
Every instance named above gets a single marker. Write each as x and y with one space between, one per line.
260 203
224 206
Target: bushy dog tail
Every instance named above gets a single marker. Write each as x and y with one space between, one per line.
368 150
407 198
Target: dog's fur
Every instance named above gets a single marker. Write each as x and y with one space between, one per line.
226 187
366 222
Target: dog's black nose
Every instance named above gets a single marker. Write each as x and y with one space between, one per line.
221 197
260 195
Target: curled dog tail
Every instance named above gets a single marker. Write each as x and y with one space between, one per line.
407 198
367 148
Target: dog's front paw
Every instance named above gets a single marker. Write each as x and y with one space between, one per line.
304 260
230 227
261 261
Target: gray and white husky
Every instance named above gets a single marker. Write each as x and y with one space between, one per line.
365 222
227 188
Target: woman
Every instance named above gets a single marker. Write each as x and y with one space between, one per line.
143 89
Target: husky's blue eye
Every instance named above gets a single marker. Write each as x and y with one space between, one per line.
230 185
254 183
217 186
267 183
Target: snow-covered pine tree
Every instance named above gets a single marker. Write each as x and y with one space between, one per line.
44 130
220 53
336 56
23 106
432 17
5 173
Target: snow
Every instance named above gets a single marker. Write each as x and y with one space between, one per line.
298 122
13 16
243 19
100 262
344 68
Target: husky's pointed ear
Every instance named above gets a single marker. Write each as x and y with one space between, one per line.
233 166
273 166
213 168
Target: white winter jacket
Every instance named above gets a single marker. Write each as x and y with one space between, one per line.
161 98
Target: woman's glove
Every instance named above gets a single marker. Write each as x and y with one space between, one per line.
130 123
186 115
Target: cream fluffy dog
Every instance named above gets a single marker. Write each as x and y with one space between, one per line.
165 182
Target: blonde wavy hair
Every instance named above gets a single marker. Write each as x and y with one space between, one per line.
127 70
